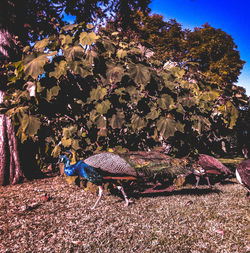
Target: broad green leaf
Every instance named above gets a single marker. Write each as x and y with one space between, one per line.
41 45
165 101
32 126
123 45
93 115
135 95
166 127
74 53
53 92
230 114
121 53
101 122
139 73
33 65
114 73
69 27
117 120
169 79
29 127
200 123
180 109
135 51
234 114
39 88
18 112
87 38
81 68
154 114
68 132
180 127
137 122
121 91
75 144
209 96
180 72
98 93
66 40
91 55
103 107
109 46
188 101
66 142
56 151
60 70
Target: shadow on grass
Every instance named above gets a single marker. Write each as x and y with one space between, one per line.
191 191
228 182
151 193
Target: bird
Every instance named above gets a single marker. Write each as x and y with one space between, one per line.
242 173
207 167
102 168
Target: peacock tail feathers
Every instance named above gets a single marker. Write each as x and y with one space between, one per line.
152 163
110 163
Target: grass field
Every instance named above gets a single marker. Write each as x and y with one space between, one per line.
187 220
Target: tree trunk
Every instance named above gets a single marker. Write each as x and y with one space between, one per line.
10 169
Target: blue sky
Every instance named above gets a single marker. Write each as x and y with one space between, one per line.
232 16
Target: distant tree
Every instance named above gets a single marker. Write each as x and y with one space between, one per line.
166 37
215 54
208 50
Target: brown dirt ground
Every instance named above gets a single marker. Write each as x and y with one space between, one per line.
186 220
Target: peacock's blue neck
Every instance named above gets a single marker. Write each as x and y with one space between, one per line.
83 170
67 164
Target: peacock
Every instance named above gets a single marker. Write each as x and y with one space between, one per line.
139 170
207 167
243 175
101 168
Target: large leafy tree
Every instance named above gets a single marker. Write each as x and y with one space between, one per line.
23 22
100 91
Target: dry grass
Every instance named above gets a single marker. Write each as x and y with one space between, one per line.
188 220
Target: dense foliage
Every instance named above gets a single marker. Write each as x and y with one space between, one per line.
29 20
89 91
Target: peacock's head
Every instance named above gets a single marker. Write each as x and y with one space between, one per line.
68 153
63 159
